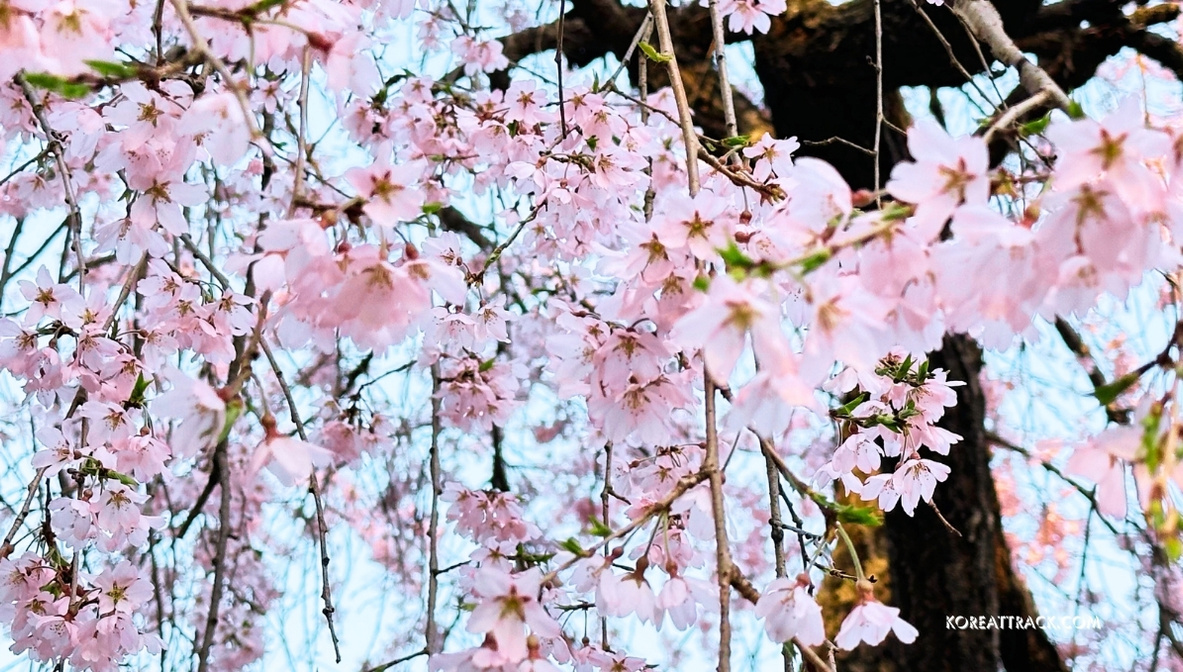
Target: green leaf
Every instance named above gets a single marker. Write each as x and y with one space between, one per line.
487 364
1075 110
702 283
573 546
262 6
816 260
859 515
896 212
93 467
652 54
1173 547
735 258
1109 392
112 69
849 407
432 208
137 393
1036 126
737 141
599 529
1150 443
58 85
905 367
234 408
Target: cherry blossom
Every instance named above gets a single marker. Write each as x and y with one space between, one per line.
871 622
789 612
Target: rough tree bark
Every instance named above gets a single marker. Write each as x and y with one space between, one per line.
817 68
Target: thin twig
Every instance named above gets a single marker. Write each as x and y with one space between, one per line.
879 118
301 140
132 278
559 67
6 546
720 43
314 488
685 120
211 618
6 269
433 560
641 35
398 661
59 155
1089 493
718 513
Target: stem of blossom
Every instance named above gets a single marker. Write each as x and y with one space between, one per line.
433 560
301 140
984 22
666 42
314 488
858 566
718 512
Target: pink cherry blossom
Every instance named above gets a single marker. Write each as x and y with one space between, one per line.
870 622
789 612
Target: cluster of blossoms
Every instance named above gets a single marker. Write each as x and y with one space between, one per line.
222 279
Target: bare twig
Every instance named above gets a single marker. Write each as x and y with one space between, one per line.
59 155
6 269
1089 493
714 471
685 120
301 140
433 560
721 64
879 118
314 488
6 547
211 618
